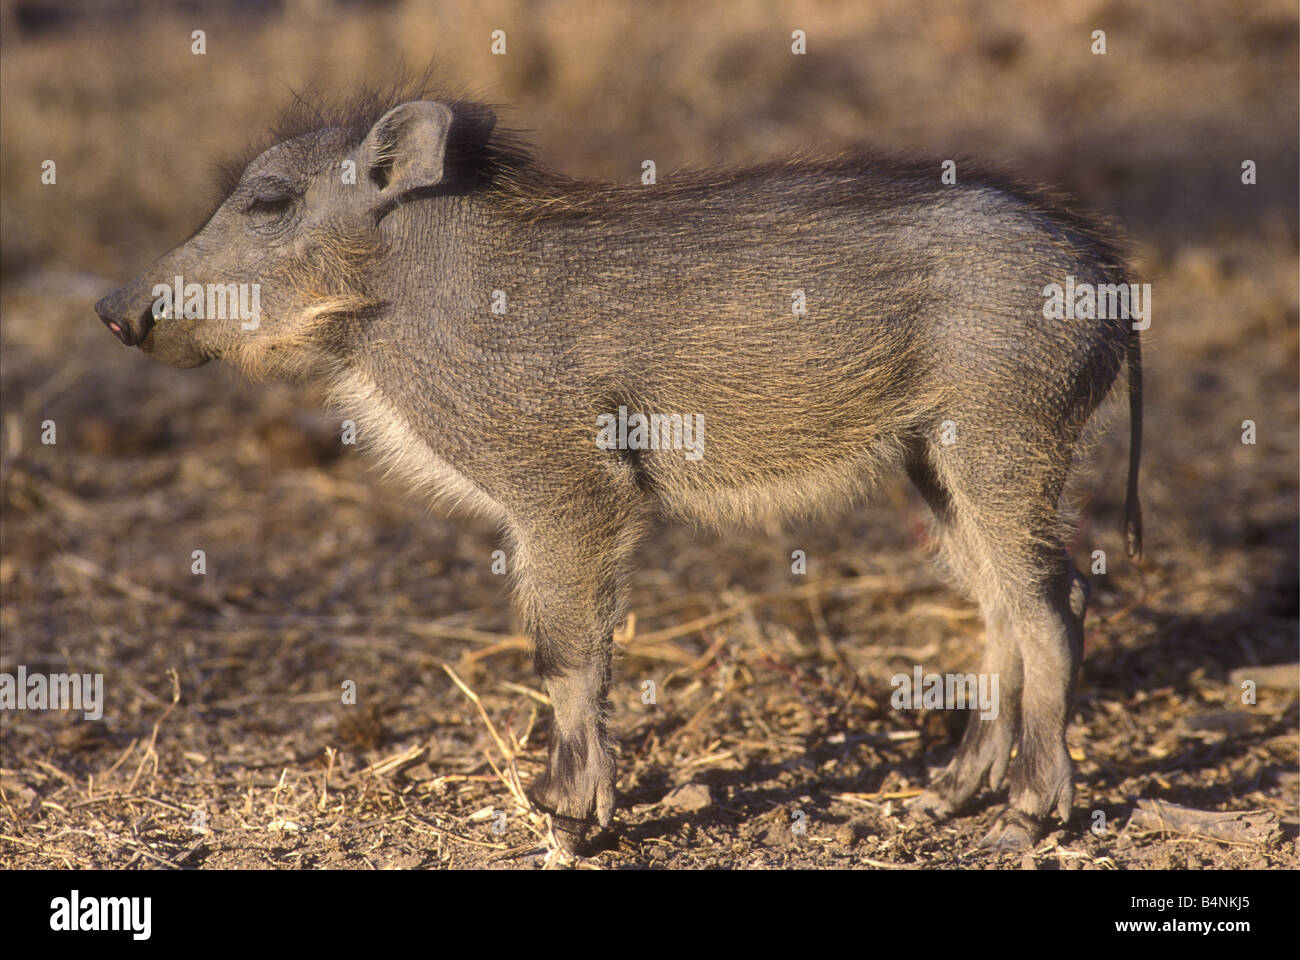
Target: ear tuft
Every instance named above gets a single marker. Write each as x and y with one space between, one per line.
474 122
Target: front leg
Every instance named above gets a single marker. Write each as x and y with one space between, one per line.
577 788
570 581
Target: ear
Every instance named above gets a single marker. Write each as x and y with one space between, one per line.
407 148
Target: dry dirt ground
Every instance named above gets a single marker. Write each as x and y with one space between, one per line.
225 742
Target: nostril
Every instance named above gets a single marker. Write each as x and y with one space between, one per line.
112 320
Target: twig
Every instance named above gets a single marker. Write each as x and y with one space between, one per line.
153 737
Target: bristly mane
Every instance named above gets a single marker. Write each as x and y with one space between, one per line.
503 160
503 168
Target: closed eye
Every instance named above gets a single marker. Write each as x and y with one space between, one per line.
269 203
270 195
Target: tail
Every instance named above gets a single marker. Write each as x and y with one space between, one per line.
1132 506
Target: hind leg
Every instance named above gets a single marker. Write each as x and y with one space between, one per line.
1049 632
985 747
983 755
1001 530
